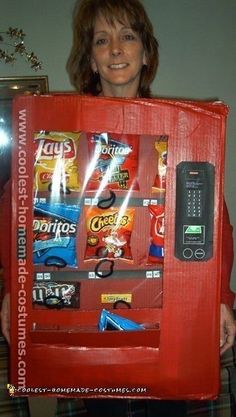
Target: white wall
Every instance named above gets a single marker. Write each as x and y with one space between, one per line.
197 54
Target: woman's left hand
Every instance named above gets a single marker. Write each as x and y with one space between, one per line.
227 328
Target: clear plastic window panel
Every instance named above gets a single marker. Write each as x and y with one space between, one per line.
99 220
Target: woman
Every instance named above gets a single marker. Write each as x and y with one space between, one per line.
115 54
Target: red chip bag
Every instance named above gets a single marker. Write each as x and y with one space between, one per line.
156 249
113 162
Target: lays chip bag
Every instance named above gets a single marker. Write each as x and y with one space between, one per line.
56 166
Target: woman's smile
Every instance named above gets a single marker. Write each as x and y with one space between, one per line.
118 66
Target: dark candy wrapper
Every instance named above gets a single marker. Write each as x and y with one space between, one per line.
57 295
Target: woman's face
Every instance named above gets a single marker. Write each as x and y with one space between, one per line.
118 56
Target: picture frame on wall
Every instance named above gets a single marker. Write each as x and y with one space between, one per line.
9 88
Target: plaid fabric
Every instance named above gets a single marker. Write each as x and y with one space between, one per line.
225 404
70 408
135 408
156 408
76 407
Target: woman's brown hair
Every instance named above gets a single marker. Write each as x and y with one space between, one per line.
85 13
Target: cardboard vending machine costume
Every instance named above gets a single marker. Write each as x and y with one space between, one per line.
116 247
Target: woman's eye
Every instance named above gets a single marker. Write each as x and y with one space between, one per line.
129 37
101 41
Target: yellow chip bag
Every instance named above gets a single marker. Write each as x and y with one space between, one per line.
160 179
56 164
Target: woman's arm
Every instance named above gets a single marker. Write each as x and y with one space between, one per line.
227 323
227 296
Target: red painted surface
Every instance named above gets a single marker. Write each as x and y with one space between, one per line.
179 358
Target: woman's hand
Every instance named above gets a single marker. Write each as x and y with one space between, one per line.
227 328
5 317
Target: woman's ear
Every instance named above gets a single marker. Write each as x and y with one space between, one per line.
93 65
144 58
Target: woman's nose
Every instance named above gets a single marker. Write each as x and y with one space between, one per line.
116 48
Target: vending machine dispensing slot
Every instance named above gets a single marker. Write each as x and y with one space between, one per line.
194 211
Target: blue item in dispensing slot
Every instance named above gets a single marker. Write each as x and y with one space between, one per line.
55 229
111 321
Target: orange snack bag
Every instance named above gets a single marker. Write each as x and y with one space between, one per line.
109 233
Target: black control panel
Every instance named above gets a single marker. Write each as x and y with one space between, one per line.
195 183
